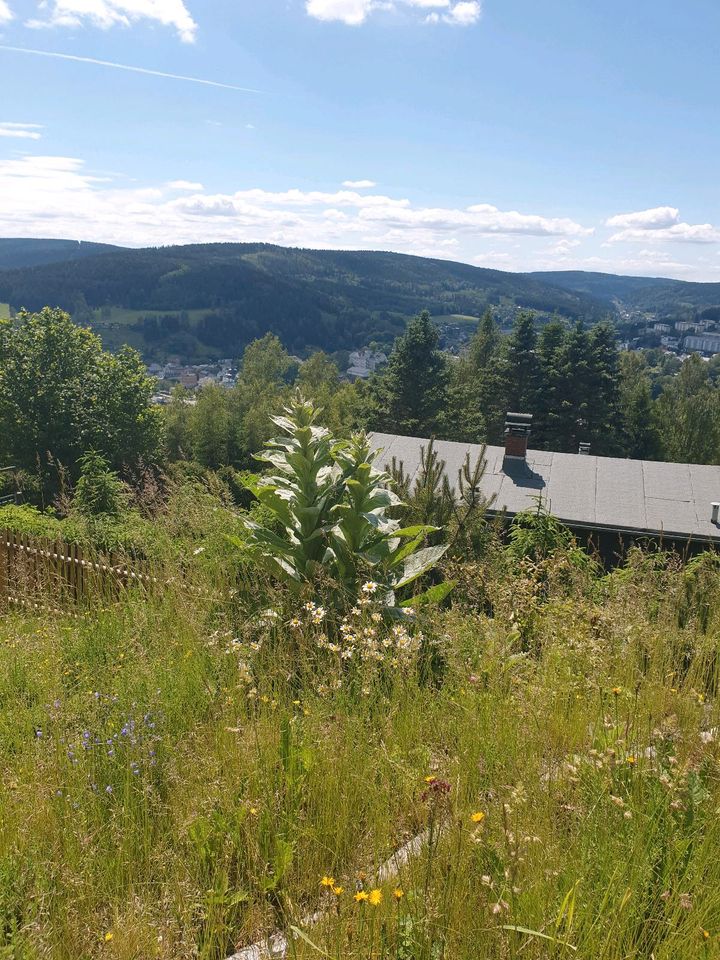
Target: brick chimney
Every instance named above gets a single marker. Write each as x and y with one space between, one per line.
517 434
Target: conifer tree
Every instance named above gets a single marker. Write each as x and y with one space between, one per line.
574 390
603 400
476 403
410 396
520 369
548 426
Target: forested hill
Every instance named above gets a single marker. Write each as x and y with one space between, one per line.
29 253
660 295
208 300
217 297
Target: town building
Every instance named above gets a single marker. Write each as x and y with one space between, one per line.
703 343
362 363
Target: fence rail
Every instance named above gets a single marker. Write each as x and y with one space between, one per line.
37 572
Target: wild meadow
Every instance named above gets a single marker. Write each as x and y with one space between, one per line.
189 769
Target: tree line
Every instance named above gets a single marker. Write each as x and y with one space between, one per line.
62 395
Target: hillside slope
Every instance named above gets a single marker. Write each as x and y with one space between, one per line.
205 300
217 297
19 253
653 294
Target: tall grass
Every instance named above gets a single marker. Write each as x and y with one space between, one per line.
179 775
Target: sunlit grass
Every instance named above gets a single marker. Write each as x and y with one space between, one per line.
178 778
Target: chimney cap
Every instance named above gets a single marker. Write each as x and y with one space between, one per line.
518 424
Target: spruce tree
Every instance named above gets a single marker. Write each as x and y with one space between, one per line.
547 427
520 368
574 390
476 403
603 407
410 395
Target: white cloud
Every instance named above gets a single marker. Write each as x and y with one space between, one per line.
359 184
58 197
351 12
355 12
110 13
659 224
653 219
6 14
20 131
464 14
190 185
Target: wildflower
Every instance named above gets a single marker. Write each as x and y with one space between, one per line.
477 817
685 901
631 760
375 898
295 623
617 691
705 934
361 896
370 587
338 891
108 936
499 907
328 881
436 789
398 893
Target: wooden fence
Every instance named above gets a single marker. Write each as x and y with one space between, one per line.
42 573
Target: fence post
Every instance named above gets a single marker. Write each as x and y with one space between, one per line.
4 553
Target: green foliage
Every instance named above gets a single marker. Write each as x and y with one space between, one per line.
536 535
61 395
28 519
688 416
409 396
332 505
99 490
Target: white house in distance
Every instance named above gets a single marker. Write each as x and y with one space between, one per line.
364 362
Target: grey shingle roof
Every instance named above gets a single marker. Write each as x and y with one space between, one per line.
633 496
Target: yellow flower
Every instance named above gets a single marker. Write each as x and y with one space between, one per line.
108 937
477 817
375 898
398 893
617 691
338 891
631 761
705 934
360 896
328 881
430 779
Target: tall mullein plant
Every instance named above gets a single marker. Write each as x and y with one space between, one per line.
365 540
330 504
300 493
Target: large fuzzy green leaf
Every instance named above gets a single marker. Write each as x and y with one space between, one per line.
419 563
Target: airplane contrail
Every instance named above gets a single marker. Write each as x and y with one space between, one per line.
125 66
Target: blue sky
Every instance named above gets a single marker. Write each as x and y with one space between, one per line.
517 134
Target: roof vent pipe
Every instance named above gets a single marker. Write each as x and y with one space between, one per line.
716 513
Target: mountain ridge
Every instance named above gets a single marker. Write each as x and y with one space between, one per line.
205 299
